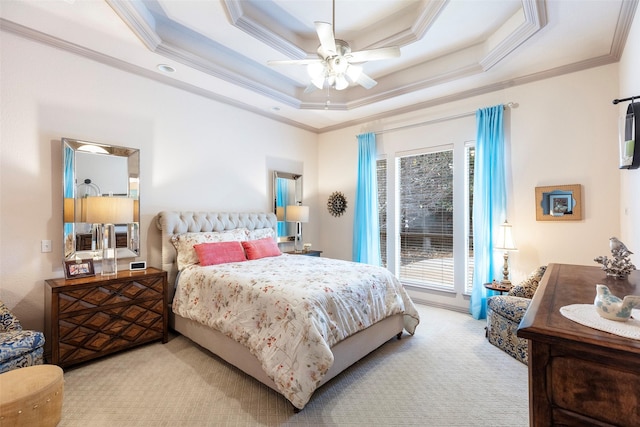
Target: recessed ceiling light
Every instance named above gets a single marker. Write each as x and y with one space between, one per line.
166 68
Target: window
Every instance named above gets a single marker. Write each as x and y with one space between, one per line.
433 244
470 156
426 218
381 166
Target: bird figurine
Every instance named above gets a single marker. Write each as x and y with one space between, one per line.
617 246
611 307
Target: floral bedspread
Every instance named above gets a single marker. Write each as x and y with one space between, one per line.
290 309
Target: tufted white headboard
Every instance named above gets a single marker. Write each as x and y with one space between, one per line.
172 223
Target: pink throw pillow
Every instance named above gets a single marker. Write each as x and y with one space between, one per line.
219 253
261 248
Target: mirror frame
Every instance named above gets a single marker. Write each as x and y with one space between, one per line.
286 228
70 148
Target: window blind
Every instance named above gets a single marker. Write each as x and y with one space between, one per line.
381 165
469 169
426 218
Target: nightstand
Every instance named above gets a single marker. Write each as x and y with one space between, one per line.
90 317
308 253
496 286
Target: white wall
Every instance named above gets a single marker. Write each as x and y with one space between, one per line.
564 131
196 154
630 179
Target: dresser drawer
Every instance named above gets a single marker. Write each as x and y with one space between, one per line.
94 316
588 389
92 297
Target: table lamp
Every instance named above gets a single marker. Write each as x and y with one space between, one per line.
107 211
298 214
505 243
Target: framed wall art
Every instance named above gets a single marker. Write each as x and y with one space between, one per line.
559 203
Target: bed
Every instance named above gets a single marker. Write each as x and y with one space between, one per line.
292 322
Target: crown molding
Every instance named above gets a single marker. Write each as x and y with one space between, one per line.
480 90
240 17
139 20
625 19
534 14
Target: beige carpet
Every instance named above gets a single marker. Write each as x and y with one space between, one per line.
447 374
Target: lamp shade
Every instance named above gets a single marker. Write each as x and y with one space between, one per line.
68 209
280 213
505 238
297 213
108 210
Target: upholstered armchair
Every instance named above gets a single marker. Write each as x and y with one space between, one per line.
18 347
504 313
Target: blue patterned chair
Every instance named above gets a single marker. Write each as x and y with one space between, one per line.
18 347
504 313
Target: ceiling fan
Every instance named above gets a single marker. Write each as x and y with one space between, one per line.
337 66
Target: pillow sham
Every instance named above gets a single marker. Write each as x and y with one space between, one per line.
219 253
184 243
261 233
261 248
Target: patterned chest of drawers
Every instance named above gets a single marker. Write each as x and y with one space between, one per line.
91 317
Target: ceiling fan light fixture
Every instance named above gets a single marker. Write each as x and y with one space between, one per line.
318 81
337 66
316 70
353 72
341 82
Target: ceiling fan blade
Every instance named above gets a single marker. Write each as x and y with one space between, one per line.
366 81
294 61
326 37
374 54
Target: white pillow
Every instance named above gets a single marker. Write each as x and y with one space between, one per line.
261 233
185 242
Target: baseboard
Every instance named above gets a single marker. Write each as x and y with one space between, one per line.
440 305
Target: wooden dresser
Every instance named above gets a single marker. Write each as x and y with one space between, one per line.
94 316
579 376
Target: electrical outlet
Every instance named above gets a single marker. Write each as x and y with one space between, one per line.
45 246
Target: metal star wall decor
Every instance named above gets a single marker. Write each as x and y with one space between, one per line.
337 204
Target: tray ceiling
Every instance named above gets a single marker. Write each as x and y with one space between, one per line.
450 49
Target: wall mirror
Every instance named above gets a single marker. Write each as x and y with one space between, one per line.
287 190
92 175
559 203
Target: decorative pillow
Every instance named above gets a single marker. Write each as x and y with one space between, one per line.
528 287
261 233
219 253
185 242
261 248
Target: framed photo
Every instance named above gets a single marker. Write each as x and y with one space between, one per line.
560 204
79 268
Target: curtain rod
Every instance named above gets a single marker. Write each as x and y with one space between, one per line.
442 119
616 101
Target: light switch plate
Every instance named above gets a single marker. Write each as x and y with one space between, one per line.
45 246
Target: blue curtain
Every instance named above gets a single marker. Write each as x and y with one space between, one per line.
489 201
366 237
69 185
282 196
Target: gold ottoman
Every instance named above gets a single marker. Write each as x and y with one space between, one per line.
31 396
